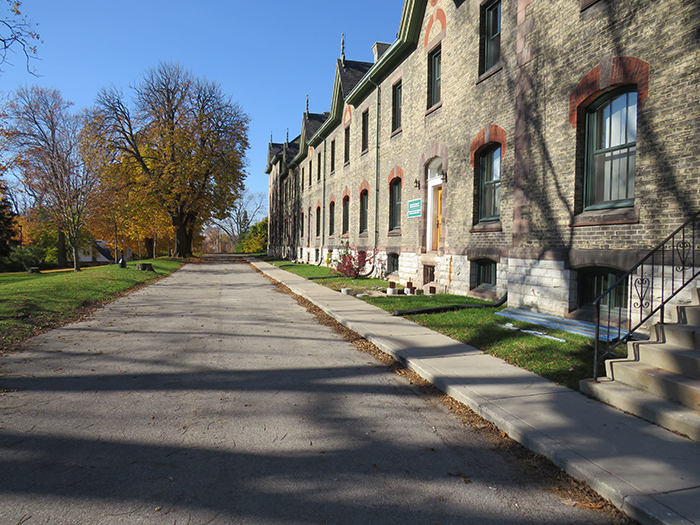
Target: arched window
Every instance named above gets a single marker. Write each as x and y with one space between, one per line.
346 215
318 221
611 147
364 210
331 218
490 183
395 204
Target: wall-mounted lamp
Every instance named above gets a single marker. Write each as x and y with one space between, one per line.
443 176
416 184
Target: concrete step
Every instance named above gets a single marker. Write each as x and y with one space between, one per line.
686 336
672 358
667 414
674 387
689 315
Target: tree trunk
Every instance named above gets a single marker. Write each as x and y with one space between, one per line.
150 247
184 233
182 247
62 259
76 258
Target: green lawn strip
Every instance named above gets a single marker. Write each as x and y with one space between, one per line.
303 270
331 280
32 303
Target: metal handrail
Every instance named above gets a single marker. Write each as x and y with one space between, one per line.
676 252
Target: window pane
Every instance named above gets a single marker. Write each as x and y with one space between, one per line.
632 117
496 165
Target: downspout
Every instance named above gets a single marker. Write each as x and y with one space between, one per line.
323 199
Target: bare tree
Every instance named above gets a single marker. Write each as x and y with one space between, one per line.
16 32
246 211
51 154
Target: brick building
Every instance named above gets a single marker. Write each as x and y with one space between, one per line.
534 147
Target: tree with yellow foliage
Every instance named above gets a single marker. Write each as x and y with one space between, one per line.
188 141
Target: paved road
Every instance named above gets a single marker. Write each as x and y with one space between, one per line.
209 397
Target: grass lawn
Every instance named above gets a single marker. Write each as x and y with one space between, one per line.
564 362
32 303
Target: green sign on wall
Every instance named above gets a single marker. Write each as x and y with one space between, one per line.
414 208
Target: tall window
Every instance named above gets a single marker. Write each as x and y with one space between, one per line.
490 184
346 214
331 218
395 204
301 224
364 210
302 178
311 171
434 76
365 130
332 156
396 106
318 168
347 144
611 139
492 35
318 221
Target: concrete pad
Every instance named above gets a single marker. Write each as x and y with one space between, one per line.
408 345
685 502
484 376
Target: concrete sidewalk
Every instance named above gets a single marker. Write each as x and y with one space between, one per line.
648 472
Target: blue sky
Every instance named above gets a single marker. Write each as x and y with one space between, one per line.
268 55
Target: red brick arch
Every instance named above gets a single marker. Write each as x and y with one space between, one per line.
364 186
346 192
488 135
610 73
439 16
396 173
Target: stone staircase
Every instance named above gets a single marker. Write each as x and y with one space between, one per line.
660 380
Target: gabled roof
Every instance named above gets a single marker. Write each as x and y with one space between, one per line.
351 72
310 124
274 154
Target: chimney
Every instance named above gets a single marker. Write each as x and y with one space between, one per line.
378 49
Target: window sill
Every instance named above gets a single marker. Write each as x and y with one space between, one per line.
397 131
487 74
363 235
487 226
609 216
347 163
364 152
345 236
433 109
395 233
